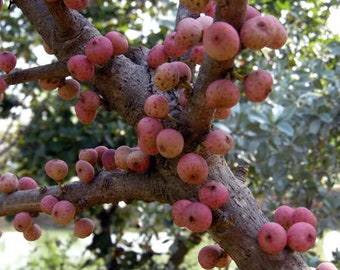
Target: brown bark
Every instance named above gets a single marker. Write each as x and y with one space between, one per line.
125 83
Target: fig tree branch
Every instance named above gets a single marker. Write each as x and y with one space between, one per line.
63 18
53 70
183 12
211 70
65 42
232 12
235 225
107 187
37 13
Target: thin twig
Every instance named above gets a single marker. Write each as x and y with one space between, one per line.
54 70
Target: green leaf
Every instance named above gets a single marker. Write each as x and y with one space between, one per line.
334 47
326 117
314 126
272 161
286 128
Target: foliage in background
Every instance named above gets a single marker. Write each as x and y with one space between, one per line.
290 142
53 253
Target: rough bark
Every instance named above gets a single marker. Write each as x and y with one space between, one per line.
125 83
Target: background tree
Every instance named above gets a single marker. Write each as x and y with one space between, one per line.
263 134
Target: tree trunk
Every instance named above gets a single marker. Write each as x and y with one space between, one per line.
236 226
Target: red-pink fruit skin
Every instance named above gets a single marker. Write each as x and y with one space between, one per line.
156 106
210 9
213 194
197 54
89 154
121 156
76 4
280 36
108 159
22 221
166 77
100 149
251 13
257 85
205 21
188 32
283 216
69 90
208 256
192 168
119 42
81 67
8 183
63 212
147 131
257 32
157 56
184 71
83 227
84 116
222 113
50 84
177 212
85 171
221 41
26 183
199 217
171 48
326 266
303 214
99 50
301 236
170 142
47 203
57 169
222 93
148 147
8 61
272 238
149 126
32 233
224 260
90 100
138 161
218 142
